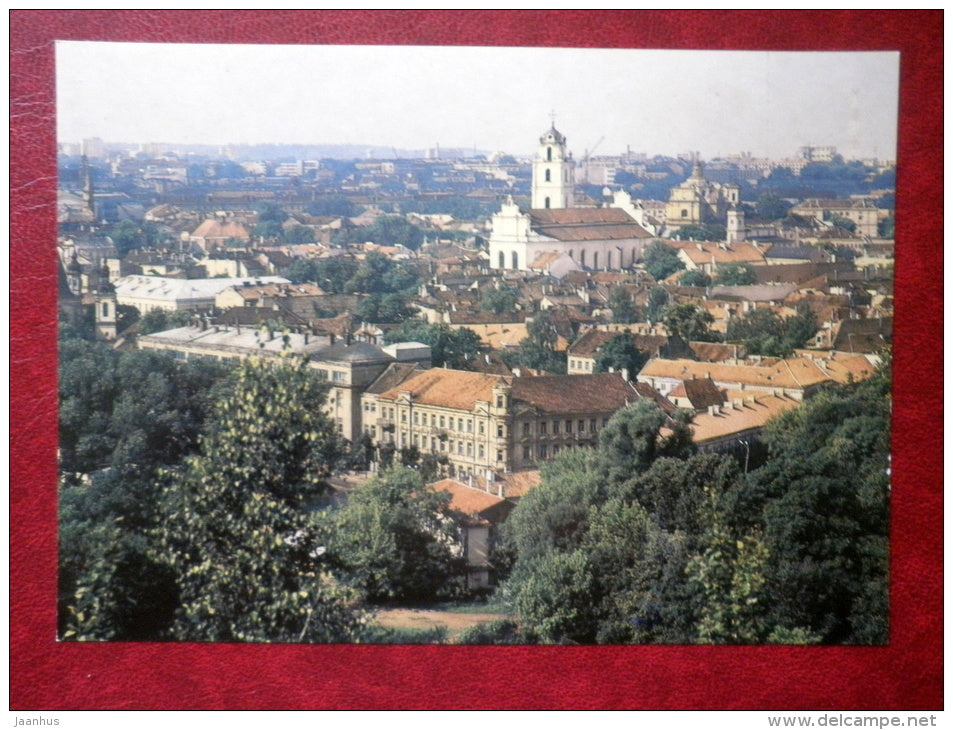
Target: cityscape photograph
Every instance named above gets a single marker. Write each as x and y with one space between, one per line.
472 345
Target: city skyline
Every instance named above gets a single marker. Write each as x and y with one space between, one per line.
492 99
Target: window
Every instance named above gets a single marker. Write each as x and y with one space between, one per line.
555 427
460 424
502 260
549 154
469 449
546 203
555 449
460 448
499 401
527 453
526 428
105 309
480 450
542 428
516 258
542 451
595 260
403 416
547 175
568 425
433 444
416 418
581 426
592 424
499 454
469 425
338 377
500 432
442 424
482 429
684 212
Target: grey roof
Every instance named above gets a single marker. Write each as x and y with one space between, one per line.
355 352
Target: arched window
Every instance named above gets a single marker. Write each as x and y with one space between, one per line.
609 259
502 260
549 154
547 175
547 202
582 258
595 260
516 260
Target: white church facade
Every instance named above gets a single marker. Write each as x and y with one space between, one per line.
595 238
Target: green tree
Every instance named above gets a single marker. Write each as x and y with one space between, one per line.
498 300
159 320
661 260
395 539
689 321
391 230
620 353
763 332
694 277
658 299
233 523
299 234
624 310
333 205
702 232
770 207
736 274
452 348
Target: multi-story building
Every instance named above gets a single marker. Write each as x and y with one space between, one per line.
484 423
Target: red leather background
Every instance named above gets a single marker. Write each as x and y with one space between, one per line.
906 675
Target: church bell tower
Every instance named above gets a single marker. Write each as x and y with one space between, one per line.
553 178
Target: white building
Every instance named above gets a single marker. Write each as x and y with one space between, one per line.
595 238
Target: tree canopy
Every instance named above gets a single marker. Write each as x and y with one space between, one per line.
661 260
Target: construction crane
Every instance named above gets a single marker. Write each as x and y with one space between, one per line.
588 152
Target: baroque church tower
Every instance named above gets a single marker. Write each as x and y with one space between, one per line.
553 178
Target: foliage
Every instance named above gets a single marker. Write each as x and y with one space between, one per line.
232 522
658 299
159 320
694 277
377 274
498 631
763 332
498 300
395 539
452 348
391 230
385 308
123 416
537 350
770 207
624 310
298 234
333 205
620 353
841 222
689 321
642 541
661 260
736 274
702 232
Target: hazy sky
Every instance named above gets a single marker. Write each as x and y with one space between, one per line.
660 102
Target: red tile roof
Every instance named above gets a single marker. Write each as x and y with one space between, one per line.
558 394
585 224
